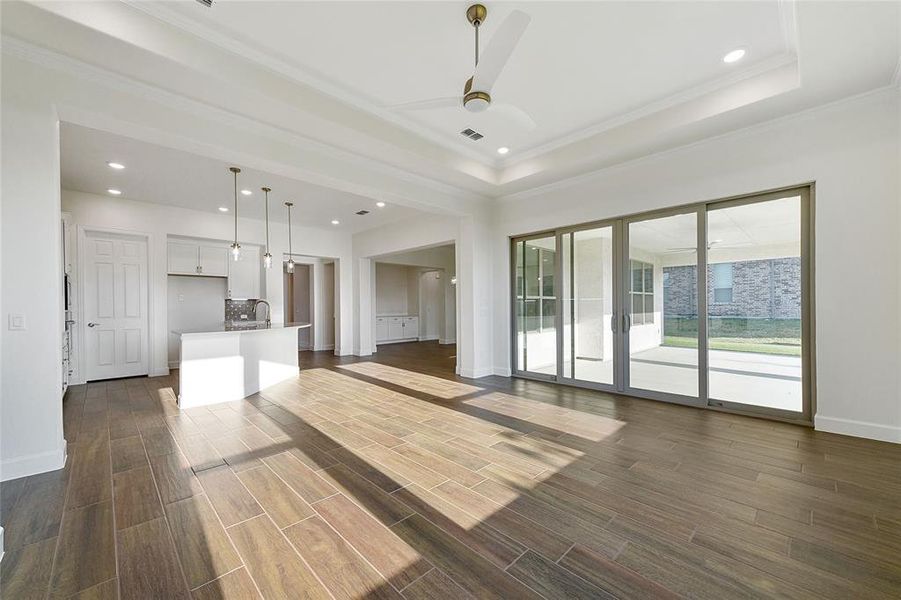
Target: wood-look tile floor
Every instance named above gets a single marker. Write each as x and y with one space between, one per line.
392 478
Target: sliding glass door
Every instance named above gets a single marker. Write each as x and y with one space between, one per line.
535 306
589 304
660 293
756 303
705 305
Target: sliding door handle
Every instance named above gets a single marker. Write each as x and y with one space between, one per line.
613 322
627 322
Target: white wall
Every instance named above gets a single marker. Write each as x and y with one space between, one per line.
431 305
31 420
392 290
89 210
851 150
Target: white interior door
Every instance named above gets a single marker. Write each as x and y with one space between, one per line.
115 306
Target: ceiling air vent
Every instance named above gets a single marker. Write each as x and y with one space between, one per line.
472 134
207 3
362 212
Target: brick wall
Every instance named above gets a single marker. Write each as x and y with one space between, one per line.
765 289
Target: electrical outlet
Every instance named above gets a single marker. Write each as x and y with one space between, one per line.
16 322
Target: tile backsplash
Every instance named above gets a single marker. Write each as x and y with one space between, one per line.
239 310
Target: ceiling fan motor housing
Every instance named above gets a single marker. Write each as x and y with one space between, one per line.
476 101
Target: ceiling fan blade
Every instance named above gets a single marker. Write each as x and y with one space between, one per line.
448 102
515 114
499 49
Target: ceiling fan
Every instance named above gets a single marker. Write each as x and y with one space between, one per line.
476 96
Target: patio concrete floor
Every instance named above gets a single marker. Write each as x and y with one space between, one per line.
745 377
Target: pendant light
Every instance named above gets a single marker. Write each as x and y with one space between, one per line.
236 247
290 266
267 258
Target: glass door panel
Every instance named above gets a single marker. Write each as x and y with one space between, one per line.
535 263
588 307
754 303
660 295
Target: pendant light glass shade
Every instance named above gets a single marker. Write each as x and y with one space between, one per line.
267 257
289 267
236 247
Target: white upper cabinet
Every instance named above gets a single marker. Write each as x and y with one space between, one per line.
183 257
213 260
244 273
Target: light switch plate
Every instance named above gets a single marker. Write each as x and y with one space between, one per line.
16 321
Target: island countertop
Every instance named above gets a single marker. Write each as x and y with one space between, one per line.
239 327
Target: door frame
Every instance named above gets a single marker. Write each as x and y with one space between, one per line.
558 261
701 283
81 268
808 342
622 308
616 318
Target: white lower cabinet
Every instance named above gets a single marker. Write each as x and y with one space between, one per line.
401 328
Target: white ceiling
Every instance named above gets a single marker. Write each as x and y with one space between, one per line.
599 60
608 82
751 229
173 177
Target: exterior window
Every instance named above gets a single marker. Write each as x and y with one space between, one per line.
722 283
642 292
536 279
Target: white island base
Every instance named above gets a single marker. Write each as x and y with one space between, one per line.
230 364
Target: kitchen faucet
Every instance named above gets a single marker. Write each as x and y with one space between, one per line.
268 311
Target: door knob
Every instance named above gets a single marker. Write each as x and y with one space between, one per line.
93 324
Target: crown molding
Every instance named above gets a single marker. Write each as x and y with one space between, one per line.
33 53
562 184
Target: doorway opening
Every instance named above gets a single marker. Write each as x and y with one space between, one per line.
309 297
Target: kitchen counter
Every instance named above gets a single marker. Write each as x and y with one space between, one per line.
240 326
234 360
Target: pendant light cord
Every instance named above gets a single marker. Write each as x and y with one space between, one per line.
290 248
266 190
236 205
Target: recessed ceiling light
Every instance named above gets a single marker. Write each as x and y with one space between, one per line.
734 56
246 192
380 204
336 222
115 165
114 192
503 150
223 209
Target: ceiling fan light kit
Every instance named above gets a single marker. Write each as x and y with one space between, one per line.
488 67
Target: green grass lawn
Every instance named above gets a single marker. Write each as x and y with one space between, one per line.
763 336
736 345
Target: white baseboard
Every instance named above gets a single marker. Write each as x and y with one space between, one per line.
161 371
428 338
400 341
863 429
476 373
324 347
33 464
503 371
446 342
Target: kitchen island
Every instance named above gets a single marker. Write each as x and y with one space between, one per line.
234 360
